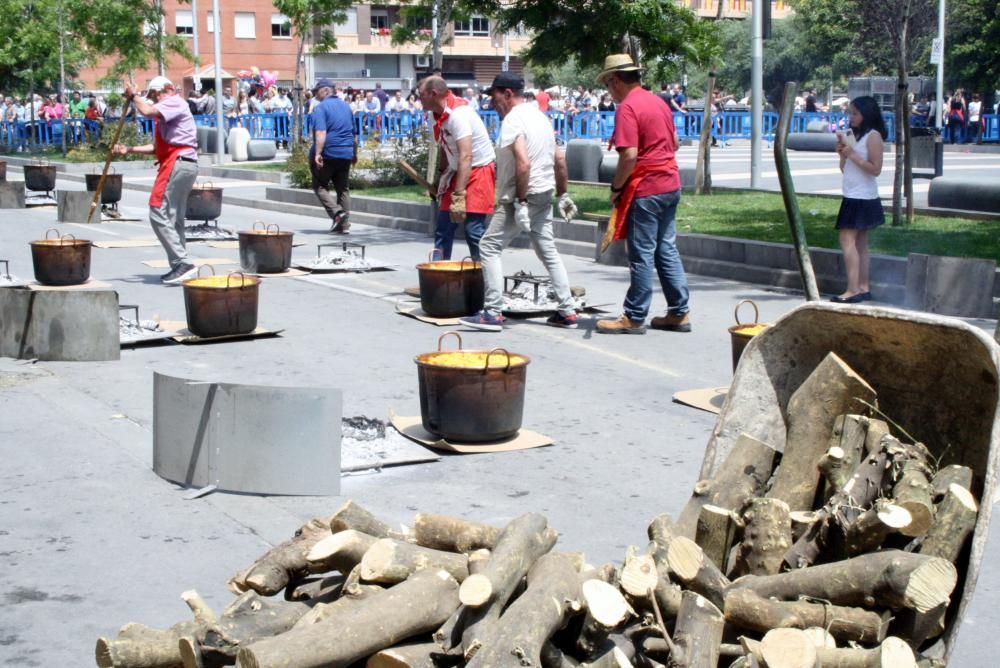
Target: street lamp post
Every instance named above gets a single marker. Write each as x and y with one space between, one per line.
220 133
756 88
939 89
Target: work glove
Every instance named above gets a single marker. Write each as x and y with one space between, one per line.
567 207
458 207
522 216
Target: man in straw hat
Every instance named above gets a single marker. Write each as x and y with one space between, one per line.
174 146
644 193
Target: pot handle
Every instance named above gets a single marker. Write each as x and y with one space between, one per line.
277 230
243 278
497 350
756 313
64 237
198 275
461 266
455 334
263 226
51 229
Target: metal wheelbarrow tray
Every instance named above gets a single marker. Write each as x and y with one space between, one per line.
937 377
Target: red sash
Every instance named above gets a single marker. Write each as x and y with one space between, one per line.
618 225
450 102
166 156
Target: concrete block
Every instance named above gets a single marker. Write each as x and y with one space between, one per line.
207 138
59 325
817 126
954 286
812 141
975 193
3 170
73 206
583 159
261 149
11 194
609 165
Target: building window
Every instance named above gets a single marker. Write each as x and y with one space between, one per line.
280 26
245 25
476 26
210 22
380 19
350 25
184 23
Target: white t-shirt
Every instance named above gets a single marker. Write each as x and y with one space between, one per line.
974 109
524 120
463 121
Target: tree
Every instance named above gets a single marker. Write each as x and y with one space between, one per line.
972 58
417 21
305 16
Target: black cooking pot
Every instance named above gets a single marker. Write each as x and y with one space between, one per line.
471 396
221 305
111 193
450 289
204 203
61 260
265 250
40 178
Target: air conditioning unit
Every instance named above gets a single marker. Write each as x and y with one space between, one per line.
366 73
423 61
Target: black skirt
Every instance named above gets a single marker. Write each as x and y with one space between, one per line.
860 214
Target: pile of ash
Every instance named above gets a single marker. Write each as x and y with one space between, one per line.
536 295
130 329
208 232
368 443
9 280
345 260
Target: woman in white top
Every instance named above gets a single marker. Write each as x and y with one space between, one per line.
861 209
975 124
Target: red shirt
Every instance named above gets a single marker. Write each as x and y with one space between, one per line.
644 121
542 98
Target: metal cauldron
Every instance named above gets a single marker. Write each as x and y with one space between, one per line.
741 334
204 203
40 177
111 193
61 260
265 249
471 395
450 289
221 305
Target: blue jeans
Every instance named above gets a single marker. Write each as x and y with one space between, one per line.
444 234
652 242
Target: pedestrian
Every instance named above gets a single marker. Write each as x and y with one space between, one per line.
542 97
174 145
606 103
77 105
956 118
975 119
466 187
383 97
811 102
529 169
334 150
645 192
861 209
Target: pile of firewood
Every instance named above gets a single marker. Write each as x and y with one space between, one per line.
841 551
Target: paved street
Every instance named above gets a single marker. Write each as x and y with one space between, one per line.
91 538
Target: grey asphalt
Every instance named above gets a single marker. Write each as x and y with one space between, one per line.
91 538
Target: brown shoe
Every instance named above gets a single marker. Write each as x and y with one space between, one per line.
672 323
623 325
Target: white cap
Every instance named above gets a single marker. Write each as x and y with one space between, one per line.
159 83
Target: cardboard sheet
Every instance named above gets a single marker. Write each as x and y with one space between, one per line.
291 273
708 399
127 243
412 428
196 261
89 285
413 310
184 334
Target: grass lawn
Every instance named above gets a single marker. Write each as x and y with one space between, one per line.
259 166
761 217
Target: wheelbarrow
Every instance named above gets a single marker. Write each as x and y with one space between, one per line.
935 376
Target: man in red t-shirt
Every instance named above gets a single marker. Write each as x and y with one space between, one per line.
542 98
644 193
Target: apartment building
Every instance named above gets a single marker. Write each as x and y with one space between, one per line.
734 9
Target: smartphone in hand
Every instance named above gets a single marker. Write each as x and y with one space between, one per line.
846 137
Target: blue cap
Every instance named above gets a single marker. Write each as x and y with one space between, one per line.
323 83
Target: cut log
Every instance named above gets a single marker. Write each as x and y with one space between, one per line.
553 592
340 551
788 648
389 561
740 477
954 474
802 522
323 610
877 430
441 532
139 646
892 653
820 637
832 389
697 634
639 576
478 560
873 526
313 588
606 610
913 492
916 628
418 605
890 578
954 522
689 564
417 655
715 533
766 537
352 516
747 610
282 563
834 469
662 530
846 448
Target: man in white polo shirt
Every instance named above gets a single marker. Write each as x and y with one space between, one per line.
466 190
529 169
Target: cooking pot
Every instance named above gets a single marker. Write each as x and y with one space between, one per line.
221 305
61 260
471 395
40 177
450 289
111 193
204 203
265 250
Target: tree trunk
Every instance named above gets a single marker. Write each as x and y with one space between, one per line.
945 477
340 551
955 520
716 532
139 646
913 492
441 532
698 633
767 536
298 112
690 565
703 173
606 611
282 563
389 561
352 516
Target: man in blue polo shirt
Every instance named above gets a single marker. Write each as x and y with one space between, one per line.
334 150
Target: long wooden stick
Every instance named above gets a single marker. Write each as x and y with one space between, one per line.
702 170
788 193
107 163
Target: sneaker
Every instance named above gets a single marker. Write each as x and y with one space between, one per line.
565 321
672 323
340 224
179 273
485 321
623 325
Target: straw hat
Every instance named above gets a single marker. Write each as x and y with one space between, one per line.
618 62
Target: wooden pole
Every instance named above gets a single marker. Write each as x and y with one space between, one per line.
107 163
702 171
788 193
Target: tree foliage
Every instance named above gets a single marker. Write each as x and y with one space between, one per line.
972 45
